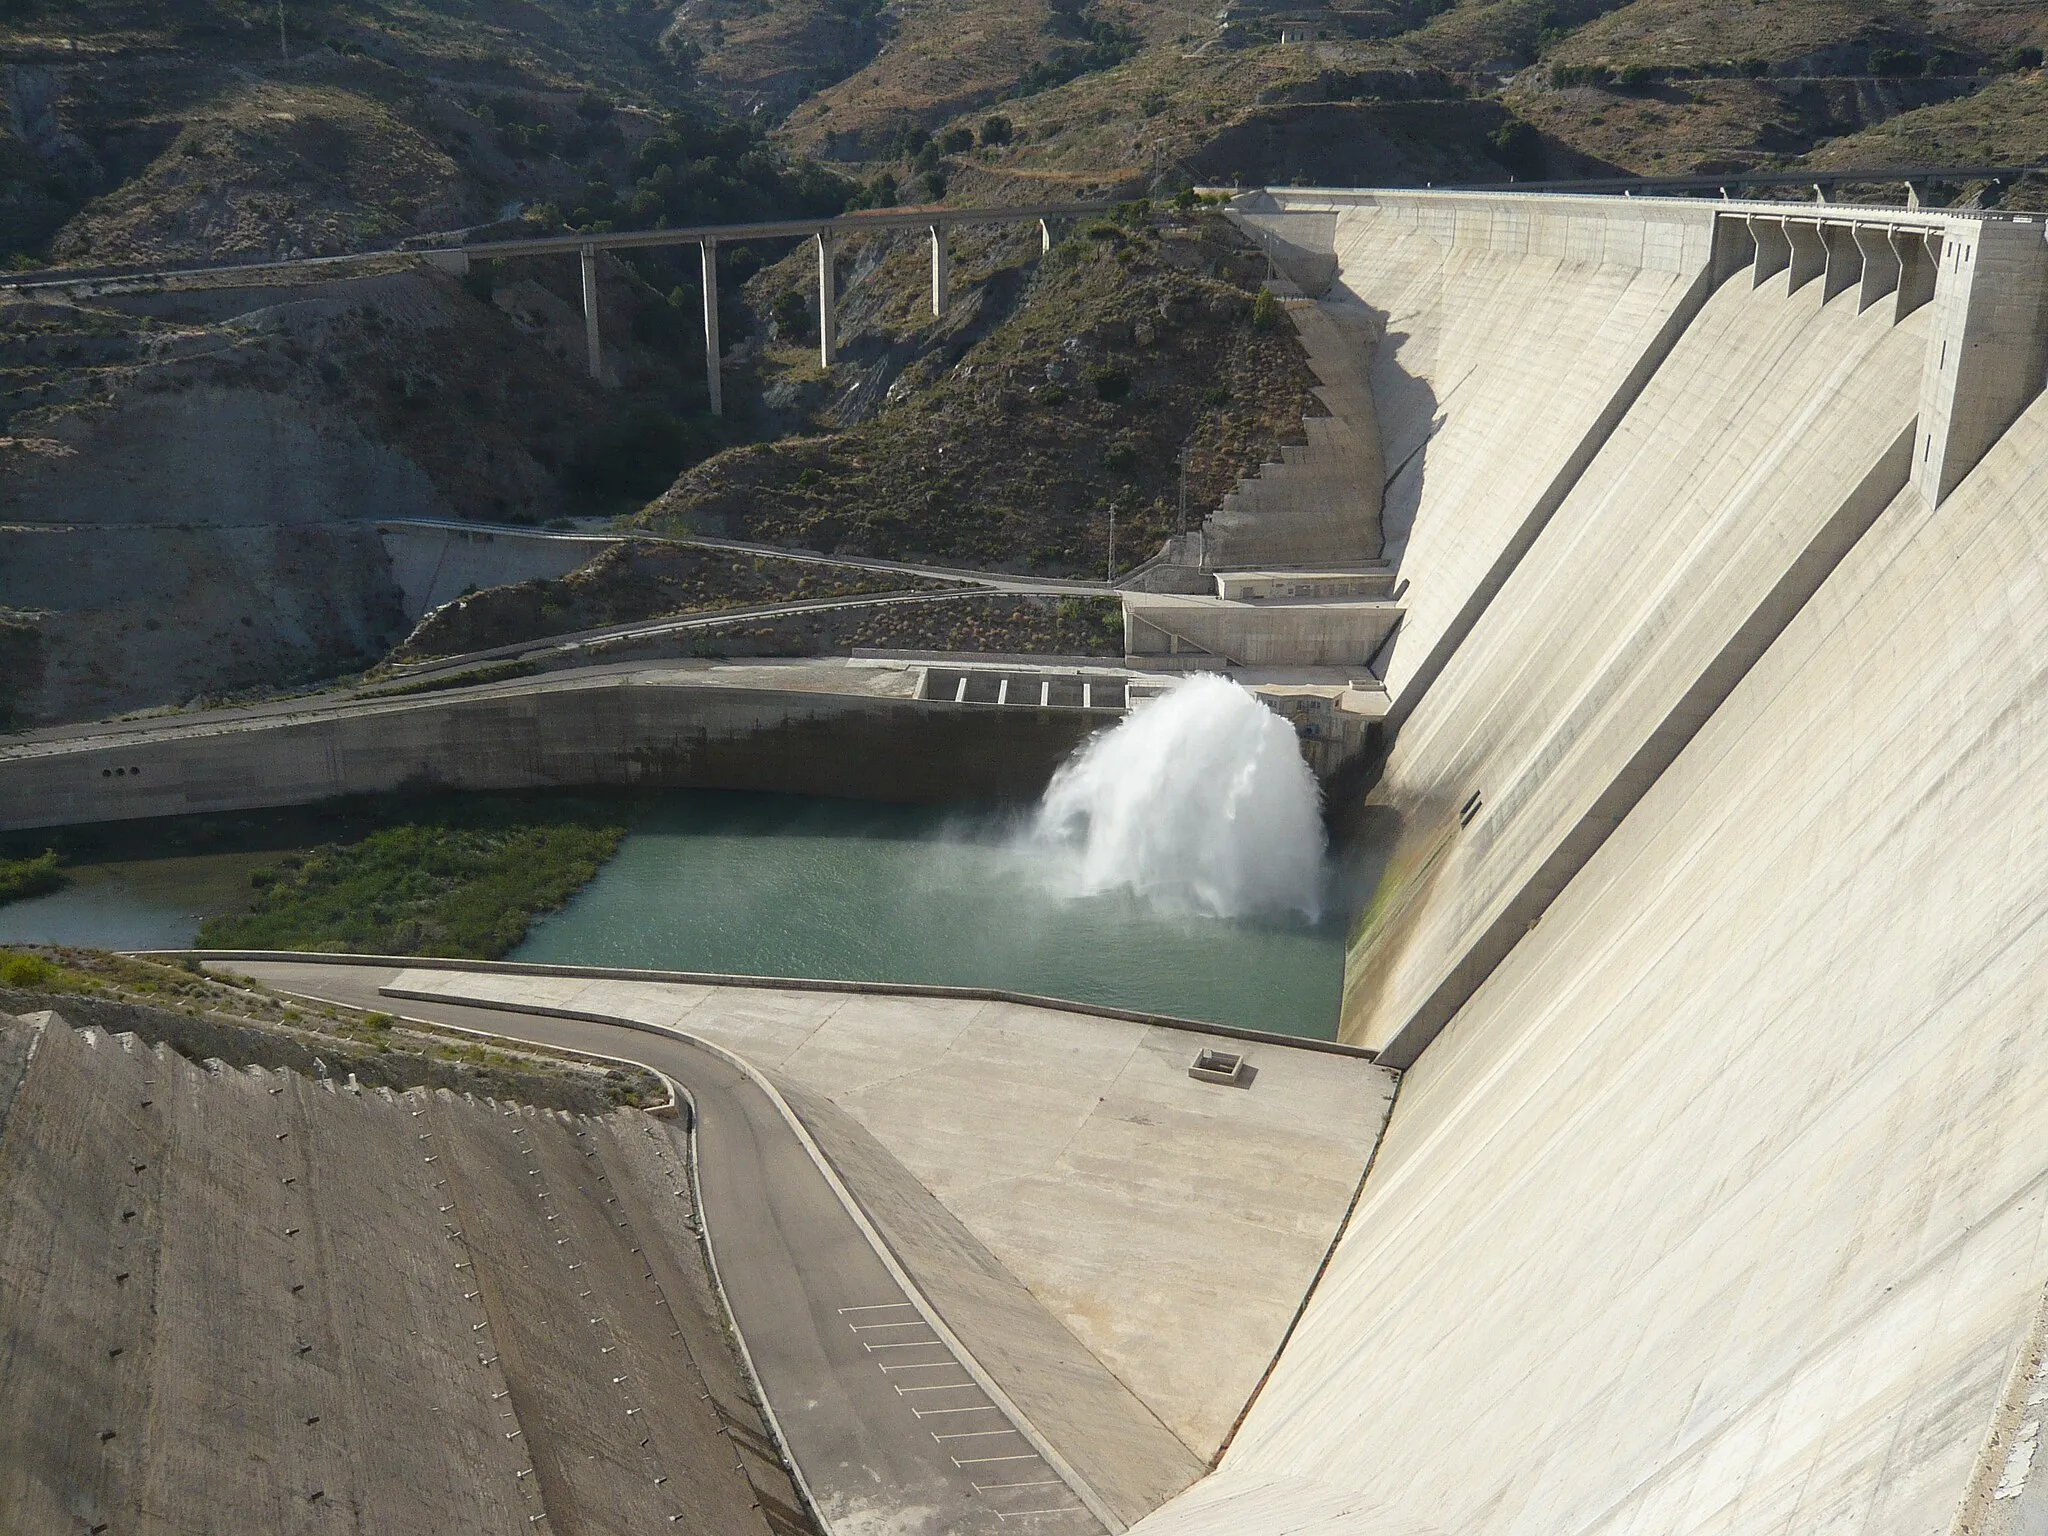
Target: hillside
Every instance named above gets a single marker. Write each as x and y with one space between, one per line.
265 424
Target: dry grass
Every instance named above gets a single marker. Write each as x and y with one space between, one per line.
270 169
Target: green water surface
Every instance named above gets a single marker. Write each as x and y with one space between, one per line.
784 885
777 885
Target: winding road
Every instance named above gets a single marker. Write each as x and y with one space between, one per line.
889 1431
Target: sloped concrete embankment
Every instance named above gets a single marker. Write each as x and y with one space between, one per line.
1719 1207
241 1299
1768 442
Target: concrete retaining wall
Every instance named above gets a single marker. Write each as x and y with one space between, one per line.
435 563
634 728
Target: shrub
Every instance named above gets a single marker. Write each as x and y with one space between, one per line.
935 185
1051 394
27 971
790 314
1634 77
1756 69
2021 58
1265 310
1119 457
1896 63
29 877
996 131
1563 76
957 141
1110 383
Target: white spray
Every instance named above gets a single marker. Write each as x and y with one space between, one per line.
1198 800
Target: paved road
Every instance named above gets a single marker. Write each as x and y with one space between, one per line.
886 1426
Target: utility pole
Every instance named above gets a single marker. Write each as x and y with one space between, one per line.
1112 541
284 51
1183 457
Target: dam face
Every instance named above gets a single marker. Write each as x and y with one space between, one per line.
1712 937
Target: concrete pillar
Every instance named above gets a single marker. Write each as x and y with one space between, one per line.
590 341
713 382
1912 195
1844 260
1880 265
1044 237
1809 254
1918 253
1987 350
942 269
828 301
1773 250
1734 249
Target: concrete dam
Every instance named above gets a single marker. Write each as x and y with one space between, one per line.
1686 563
1709 929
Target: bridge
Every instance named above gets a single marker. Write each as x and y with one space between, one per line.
453 254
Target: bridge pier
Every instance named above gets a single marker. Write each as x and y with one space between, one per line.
828 301
711 376
590 341
942 269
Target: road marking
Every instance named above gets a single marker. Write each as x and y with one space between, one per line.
1042 1482
977 1461
943 1386
912 1344
871 1327
927 1413
971 1434
1025 1514
927 1365
877 1306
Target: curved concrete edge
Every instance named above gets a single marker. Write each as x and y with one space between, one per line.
732 1323
770 983
887 1255
677 1095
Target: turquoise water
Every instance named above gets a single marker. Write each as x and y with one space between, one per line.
782 885
134 904
773 885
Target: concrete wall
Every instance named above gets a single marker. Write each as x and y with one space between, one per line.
1772 436
1514 329
1720 1208
434 563
646 727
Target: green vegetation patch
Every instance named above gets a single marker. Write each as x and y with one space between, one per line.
29 877
467 882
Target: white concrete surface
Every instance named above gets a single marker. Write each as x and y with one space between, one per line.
1653 586
1174 1226
1508 330
1307 632
1722 1207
